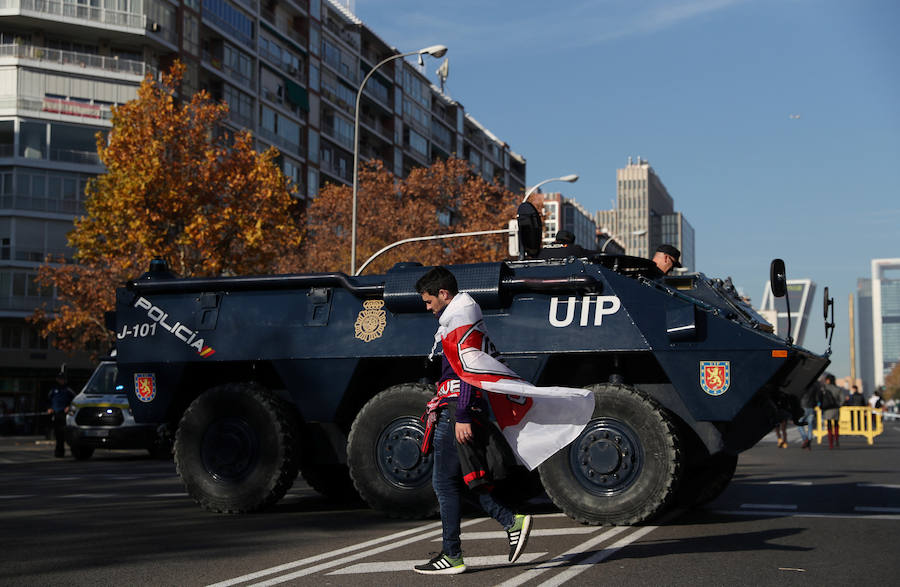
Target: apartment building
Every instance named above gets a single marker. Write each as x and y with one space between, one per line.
561 213
289 70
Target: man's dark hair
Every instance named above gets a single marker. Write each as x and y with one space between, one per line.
829 378
436 279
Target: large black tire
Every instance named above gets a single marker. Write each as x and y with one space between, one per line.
236 449
625 466
81 452
706 481
384 453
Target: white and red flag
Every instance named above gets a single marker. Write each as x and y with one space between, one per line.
536 421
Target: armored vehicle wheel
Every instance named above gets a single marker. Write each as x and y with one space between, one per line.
623 469
235 449
384 453
81 453
707 481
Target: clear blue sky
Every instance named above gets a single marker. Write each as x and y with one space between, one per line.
705 90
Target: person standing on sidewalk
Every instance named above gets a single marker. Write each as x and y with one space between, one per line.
60 397
830 404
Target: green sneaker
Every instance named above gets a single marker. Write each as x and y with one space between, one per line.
518 536
442 565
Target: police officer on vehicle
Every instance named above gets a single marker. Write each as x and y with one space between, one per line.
667 257
60 397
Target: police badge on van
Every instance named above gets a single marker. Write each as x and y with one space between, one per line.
145 386
715 376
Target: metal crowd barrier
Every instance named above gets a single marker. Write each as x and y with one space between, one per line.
853 420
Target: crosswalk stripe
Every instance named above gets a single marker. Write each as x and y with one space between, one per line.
320 567
597 557
407 565
561 559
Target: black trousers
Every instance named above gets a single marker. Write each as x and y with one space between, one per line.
59 428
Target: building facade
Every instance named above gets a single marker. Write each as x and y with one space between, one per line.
798 298
865 356
289 71
885 317
561 213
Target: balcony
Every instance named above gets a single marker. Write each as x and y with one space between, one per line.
75 156
348 34
378 92
281 142
344 141
58 205
284 25
232 73
72 58
70 10
57 107
376 125
336 170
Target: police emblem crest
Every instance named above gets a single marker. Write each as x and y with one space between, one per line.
370 321
145 386
715 376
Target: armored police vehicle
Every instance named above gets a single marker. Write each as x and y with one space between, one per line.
326 373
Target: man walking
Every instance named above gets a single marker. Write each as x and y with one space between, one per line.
451 413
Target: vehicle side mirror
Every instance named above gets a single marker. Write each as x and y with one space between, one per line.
826 304
531 229
778 278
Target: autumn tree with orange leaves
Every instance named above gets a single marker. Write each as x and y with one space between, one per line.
176 187
391 209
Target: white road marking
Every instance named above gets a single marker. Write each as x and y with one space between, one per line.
471 562
561 559
862 508
768 506
576 569
182 494
881 485
500 534
346 559
790 482
23 496
92 495
784 514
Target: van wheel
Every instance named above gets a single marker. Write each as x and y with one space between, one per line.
81 453
235 449
384 453
624 468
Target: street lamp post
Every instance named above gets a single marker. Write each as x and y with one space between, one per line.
640 232
434 51
572 178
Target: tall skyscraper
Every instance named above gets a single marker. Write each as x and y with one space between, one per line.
885 317
865 354
289 71
644 217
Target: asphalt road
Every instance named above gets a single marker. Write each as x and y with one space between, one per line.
790 517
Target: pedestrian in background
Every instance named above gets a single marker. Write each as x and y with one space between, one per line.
808 403
60 397
855 399
830 404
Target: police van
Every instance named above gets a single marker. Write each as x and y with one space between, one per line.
99 417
